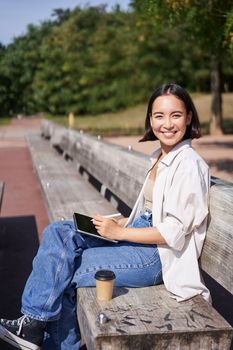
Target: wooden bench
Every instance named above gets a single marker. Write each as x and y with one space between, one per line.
145 318
1 193
64 190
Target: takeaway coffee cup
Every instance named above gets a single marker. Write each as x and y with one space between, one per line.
104 284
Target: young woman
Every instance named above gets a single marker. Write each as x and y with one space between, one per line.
161 240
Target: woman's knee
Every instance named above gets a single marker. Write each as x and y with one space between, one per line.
57 229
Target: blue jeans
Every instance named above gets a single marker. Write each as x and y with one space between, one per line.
67 260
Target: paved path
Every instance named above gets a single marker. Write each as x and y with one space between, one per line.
22 194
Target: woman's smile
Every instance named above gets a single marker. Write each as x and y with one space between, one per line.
169 133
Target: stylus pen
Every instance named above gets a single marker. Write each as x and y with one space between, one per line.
112 215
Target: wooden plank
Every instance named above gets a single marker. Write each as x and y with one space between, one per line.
147 318
52 131
64 190
47 128
217 255
1 192
125 170
57 135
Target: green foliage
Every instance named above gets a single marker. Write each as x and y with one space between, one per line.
229 30
18 64
208 24
4 120
91 61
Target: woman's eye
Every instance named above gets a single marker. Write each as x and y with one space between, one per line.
176 116
158 116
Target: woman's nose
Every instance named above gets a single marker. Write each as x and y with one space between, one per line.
167 122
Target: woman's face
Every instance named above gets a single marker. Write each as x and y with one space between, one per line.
169 120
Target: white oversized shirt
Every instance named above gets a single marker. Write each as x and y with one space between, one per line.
180 211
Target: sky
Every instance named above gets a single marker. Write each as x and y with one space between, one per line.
15 15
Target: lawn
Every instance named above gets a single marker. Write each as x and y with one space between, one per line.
131 121
5 121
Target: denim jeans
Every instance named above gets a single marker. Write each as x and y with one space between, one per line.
67 260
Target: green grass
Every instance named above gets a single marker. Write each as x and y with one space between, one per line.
5 120
127 122
131 121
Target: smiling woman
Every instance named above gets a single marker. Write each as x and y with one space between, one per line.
161 239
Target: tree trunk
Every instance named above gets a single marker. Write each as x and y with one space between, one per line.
216 104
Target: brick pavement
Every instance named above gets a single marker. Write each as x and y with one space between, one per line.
22 194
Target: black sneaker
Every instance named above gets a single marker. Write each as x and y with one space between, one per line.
24 333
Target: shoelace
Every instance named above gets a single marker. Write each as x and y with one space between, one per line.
19 322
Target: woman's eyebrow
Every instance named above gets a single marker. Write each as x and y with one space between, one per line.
157 112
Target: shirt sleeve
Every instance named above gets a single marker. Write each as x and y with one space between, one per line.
185 204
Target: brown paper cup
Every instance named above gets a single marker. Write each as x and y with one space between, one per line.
104 284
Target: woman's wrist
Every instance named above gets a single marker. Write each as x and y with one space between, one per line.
123 233
121 222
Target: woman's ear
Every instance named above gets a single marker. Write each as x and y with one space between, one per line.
189 118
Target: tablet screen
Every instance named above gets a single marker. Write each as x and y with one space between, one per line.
83 224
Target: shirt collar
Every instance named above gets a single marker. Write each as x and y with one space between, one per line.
167 160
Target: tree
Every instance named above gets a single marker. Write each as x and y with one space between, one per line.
18 65
93 61
61 15
206 22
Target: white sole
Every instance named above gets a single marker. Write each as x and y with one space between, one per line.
17 342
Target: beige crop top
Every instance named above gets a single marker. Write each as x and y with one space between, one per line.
148 193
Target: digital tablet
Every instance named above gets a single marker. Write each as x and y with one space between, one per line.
84 225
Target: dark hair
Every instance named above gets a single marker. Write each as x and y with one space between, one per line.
193 130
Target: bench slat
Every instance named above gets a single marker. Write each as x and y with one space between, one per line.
217 255
147 318
64 189
114 166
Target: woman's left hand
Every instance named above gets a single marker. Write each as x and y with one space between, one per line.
108 227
